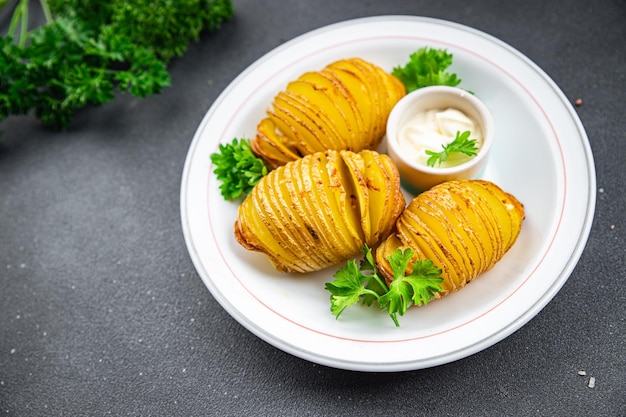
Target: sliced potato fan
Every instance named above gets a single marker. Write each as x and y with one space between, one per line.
344 106
320 210
463 226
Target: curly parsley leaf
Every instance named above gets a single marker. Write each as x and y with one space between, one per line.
88 50
426 67
416 288
351 285
461 144
348 288
238 168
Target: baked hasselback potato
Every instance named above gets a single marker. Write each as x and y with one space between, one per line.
344 106
463 226
320 210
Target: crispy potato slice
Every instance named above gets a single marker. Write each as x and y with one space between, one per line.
272 146
362 107
303 238
315 97
344 191
343 101
341 245
369 92
298 126
385 198
320 129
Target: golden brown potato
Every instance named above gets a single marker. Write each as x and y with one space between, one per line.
344 106
463 226
320 210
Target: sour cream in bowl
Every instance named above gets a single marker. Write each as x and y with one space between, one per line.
429 119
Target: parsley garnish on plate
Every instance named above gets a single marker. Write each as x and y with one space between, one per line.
426 67
353 284
238 168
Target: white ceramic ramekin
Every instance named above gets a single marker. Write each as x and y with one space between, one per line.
417 177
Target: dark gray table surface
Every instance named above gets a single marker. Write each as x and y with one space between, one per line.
103 313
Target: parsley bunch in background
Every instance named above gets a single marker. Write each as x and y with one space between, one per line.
87 50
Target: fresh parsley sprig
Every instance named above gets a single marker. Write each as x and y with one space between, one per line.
426 66
238 168
352 285
461 144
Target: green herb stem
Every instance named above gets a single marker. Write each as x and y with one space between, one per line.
19 18
46 11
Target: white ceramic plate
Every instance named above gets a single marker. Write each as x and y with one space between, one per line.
541 155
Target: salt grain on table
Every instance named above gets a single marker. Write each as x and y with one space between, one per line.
592 382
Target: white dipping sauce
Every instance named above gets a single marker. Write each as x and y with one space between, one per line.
433 129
